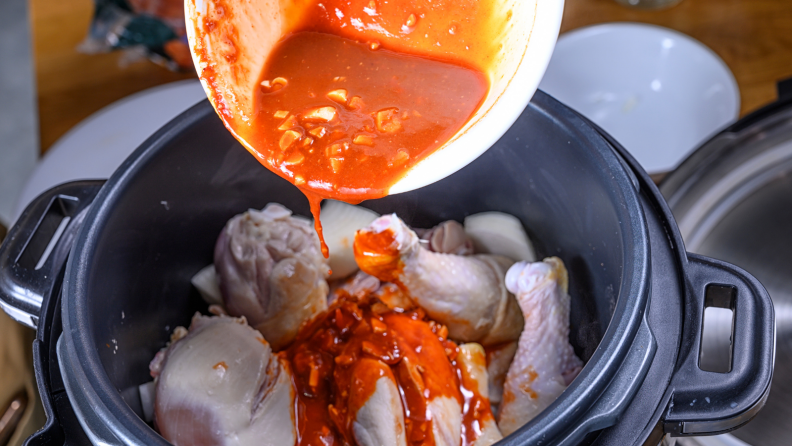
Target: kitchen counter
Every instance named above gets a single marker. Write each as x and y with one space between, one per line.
751 36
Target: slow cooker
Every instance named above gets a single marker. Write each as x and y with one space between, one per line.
103 270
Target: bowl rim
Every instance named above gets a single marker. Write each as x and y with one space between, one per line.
478 138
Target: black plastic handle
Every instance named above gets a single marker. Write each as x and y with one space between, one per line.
37 246
710 402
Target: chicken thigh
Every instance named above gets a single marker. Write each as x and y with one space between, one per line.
220 384
466 293
271 270
545 362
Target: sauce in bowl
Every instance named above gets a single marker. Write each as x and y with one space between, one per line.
356 93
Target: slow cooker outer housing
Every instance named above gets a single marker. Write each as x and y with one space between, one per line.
569 171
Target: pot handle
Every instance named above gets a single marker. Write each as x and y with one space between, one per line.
37 246
706 402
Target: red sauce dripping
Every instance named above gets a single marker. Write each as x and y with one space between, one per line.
315 202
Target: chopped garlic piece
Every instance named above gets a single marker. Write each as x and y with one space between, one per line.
401 158
335 163
363 140
321 114
336 149
339 96
355 103
288 138
295 158
388 120
289 123
318 132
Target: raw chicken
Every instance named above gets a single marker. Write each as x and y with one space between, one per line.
220 384
545 362
448 237
374 399
359 286
271 271
466 293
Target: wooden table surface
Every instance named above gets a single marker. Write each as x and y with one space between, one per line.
753 37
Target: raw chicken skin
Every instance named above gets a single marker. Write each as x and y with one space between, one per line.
271 270
466 293
545 362
448 237
222 385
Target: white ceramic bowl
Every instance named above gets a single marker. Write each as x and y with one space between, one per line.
528 35
660 93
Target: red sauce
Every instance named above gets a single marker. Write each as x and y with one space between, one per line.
343 121
377 255
349 121
460 31
338 357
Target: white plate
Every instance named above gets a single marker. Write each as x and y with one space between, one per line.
660 93
94 148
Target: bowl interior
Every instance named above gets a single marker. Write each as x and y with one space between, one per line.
161 214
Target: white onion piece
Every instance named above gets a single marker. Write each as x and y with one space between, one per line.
340 221
207 284
147 391
499 233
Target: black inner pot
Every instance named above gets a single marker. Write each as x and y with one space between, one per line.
154 224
